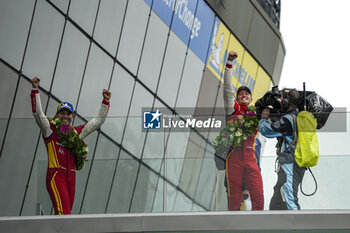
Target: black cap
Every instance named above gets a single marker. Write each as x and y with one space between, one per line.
244 88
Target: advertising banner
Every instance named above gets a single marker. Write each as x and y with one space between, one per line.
218 49
192 22
195 23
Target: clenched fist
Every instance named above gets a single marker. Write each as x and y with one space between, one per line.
232 56
106 95
35 82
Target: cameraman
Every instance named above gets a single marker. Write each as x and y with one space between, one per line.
289 174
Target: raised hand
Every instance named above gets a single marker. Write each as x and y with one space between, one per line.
232 56
35 82
106 95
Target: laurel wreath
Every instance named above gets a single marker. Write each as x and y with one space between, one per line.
235 133
70 139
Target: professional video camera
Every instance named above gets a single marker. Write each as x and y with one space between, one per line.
308 101
271 100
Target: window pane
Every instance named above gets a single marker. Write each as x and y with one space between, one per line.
106 149
38 178
190 83
144 192
71 64
15 17
154 150
158 203
153 52
98 187
219 200
192 164
43 44
100 179
197 208
206 181
133 34
18 151
190 175
8 83
134 136
173 169
109 22
172 69
123 185
175 139
61 4
82 175
83 12
175 154
3 123
208 90
97 76
182 203
165 110
169 195
121 88
219 111
31 198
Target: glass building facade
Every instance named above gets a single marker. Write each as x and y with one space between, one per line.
149 53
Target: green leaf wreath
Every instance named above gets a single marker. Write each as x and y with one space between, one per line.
235 133
70 139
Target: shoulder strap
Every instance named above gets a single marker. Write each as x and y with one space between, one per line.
295 139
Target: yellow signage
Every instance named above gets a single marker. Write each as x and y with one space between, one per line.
234 45
246 71
218 49
262 84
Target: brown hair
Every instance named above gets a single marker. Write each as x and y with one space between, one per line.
293 95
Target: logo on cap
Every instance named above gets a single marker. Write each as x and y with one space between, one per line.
65 105
244 88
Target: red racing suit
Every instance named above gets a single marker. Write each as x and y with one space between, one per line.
241 162
60 175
